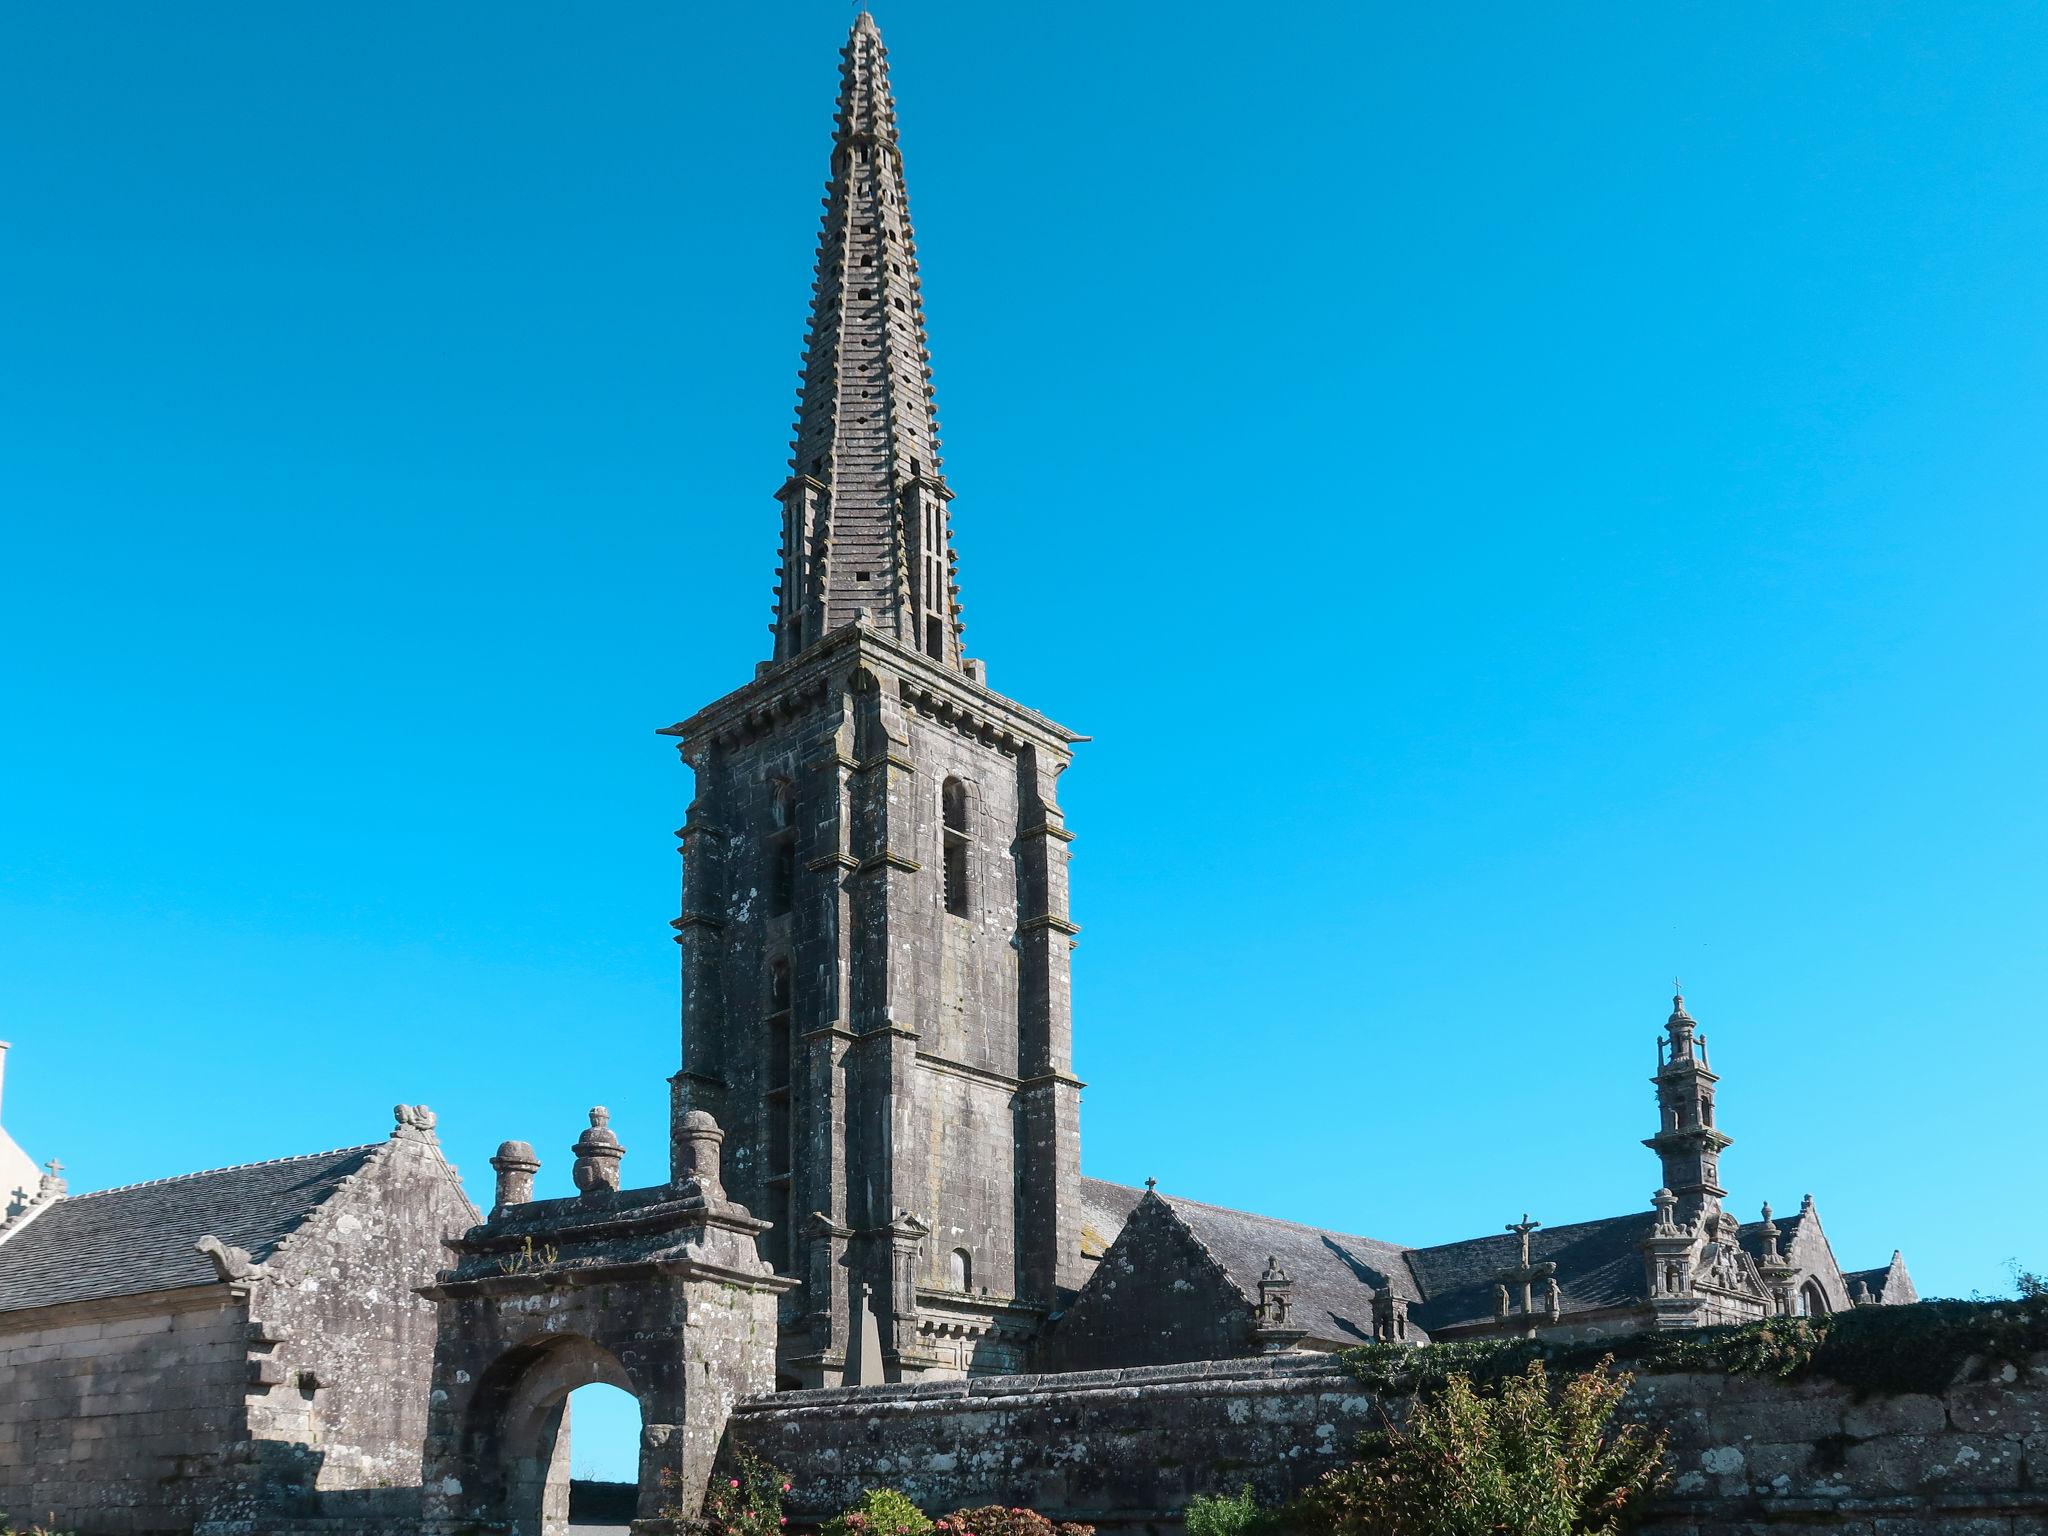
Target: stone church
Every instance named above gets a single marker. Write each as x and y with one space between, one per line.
874 1171
876 932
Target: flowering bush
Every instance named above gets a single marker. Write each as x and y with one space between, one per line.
880 1512
744 1499
994 1520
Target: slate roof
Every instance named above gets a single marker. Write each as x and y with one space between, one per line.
1599 1264
1750 1235
1889 1284
1334 1273
1105 1207
129 1241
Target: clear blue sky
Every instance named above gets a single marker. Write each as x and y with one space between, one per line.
1526 499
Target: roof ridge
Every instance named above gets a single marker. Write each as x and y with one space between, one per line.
1646 1217
1283 1221
201 1173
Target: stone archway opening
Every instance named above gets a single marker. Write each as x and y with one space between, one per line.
521 1435
602 1428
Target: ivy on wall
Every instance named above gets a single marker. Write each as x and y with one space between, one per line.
1924 1347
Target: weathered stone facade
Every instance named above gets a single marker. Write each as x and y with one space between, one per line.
1126 1450
659 1292
875 928
152 1382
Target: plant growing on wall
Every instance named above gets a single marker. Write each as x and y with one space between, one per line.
1524 1456
881 1512
744 1499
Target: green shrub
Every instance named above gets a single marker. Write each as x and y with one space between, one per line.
1520 1456
880 1512
1224 1514
994 1520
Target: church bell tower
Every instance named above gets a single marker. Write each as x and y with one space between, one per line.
874 930
1687 1143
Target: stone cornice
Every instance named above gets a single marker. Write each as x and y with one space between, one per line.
1049 1080
555 1277
783 689
946 1067
1048 920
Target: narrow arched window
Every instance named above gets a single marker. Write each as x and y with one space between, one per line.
953 813
1812 1300
781 849
960 1269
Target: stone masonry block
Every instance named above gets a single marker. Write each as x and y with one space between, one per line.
1911 1413
1994 1408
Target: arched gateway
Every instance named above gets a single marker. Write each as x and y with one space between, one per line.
659 1292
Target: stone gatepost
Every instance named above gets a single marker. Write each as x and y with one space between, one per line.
659 1292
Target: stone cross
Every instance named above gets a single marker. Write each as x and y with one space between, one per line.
1523 1228
1523 1276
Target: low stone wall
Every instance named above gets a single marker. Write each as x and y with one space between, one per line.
1126 1450
1751 1451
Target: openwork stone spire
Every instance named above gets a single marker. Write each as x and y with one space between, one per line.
865 527
1687 1143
